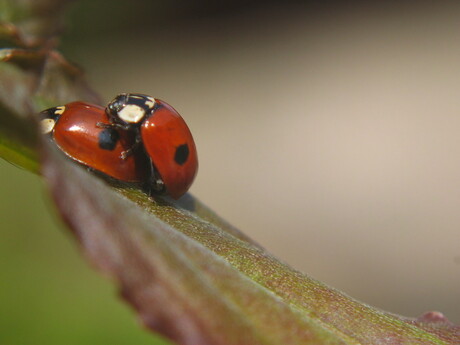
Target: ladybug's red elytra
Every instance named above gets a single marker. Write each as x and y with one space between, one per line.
73 127
164 135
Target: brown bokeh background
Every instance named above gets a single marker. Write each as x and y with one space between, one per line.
330 134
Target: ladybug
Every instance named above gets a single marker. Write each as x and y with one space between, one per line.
73 127
165 137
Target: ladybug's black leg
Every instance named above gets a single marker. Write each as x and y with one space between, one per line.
105 125
112 126
126 153
155 184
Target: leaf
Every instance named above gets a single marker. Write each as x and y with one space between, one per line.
198 281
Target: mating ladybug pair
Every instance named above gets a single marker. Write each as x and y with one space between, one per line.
136 138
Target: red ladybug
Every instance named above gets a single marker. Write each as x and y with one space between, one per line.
165 136
73 127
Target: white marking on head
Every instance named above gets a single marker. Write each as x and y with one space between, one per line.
150 102
47 125
59 110
136 97
131 113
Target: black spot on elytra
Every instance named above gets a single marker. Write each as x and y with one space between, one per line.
181 155
108 139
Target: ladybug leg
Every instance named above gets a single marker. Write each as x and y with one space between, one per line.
126 153
105 125
112 126
155 184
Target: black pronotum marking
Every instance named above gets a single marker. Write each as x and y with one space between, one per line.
124 99
181 155
157 106
50 114
108 139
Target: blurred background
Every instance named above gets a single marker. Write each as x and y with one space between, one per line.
329 133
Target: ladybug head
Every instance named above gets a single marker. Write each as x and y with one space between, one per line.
130 109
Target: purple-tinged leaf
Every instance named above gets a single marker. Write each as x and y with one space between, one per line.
199 282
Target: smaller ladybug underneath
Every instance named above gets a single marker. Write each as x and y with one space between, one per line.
135 139
73 128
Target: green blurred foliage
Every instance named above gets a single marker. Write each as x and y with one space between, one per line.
48 293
